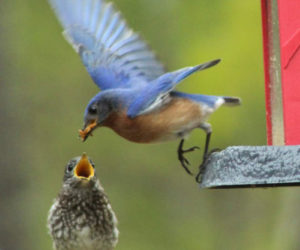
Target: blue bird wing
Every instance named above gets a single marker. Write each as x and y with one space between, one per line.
112 53
158 93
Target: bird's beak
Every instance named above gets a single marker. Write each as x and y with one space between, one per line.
84 169
87 130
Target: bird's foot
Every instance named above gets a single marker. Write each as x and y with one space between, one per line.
203 164
183 160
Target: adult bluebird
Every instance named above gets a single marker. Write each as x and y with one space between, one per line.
81 218
138 100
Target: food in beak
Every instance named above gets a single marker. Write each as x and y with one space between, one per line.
84 133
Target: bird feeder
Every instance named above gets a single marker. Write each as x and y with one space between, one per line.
279 163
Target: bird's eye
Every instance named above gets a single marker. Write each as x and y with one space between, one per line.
93 110
70 168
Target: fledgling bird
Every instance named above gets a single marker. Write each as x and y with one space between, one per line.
138 100
81 217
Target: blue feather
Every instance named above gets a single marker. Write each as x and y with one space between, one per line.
96 29
163 86
190 70
208 100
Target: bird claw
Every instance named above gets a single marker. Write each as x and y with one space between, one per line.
202 169
190 149
183 160
213 151
203 164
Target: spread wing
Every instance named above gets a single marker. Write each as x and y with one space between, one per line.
158 93
112 53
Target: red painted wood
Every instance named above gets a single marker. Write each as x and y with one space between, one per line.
265 14
289 25
290 49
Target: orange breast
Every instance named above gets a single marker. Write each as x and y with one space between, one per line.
164 124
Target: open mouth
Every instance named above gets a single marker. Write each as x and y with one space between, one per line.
87 131
84 169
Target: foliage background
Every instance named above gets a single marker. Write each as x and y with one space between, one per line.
44 90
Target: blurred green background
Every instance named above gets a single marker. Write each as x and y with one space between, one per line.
44 91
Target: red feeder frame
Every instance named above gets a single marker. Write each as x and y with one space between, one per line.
281 33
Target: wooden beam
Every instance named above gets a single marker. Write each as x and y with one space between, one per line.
272 65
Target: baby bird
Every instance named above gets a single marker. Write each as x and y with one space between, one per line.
81 217
138 98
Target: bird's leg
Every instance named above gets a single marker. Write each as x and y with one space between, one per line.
207 128
180 151
205 157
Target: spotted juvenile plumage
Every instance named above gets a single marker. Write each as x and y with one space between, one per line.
81 217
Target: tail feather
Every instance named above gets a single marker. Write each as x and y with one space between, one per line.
231 101
209 100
